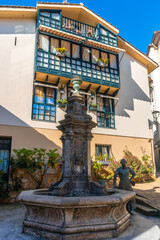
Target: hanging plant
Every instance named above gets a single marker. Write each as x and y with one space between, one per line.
93 93
62 103
61 89
102 62
60 52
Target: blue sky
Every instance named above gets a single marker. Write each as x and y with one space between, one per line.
136 20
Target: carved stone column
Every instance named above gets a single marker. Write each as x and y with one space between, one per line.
76 162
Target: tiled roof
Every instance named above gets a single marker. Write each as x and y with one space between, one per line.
11 6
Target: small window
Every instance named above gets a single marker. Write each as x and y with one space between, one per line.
75 51
113 61
54 45
95 55
44 106
43 43
66 44
85 54
103 150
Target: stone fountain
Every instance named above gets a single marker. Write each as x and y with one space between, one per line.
76 208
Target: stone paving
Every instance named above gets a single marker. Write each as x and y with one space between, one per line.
12 215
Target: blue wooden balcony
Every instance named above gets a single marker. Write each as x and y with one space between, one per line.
55 20
49 63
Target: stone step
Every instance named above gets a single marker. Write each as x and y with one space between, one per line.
148 211
146 202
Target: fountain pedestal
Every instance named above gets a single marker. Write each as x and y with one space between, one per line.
76 160
76 208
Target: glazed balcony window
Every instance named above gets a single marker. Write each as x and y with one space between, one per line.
105 113
54 19
91 64
44 104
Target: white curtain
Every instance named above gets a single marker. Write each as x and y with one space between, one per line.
113 61
75 51
95 55
54 45
86 54
44 42
65 44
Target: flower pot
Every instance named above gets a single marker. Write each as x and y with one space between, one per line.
101 64
61 91
76 84
92 96
58 54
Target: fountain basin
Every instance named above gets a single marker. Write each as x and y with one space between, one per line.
76 218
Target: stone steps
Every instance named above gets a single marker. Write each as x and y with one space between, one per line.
144 206
147 211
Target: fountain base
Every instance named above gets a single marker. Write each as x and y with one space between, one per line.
76 218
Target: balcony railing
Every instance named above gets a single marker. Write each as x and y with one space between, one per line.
98 33
69 67
79 28
106 120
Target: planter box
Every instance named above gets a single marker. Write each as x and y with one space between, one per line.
62 55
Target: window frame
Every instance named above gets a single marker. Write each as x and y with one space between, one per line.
44 104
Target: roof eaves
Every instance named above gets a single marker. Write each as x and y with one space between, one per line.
144 55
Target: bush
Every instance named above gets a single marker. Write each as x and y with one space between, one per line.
34 160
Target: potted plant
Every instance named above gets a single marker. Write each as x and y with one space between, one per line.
62 103
60 52
77 31
102 62
61 89
92 92
93 107
89 33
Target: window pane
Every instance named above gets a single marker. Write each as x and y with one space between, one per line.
100 104
108 105
113 61
75 51
54 45
43 42
95 55
104 56
66 45
85 54
50 95
55 16
39 94
103 32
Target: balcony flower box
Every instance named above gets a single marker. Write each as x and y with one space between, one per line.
61 52
61 89
102 62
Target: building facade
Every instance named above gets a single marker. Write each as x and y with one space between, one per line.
33 69
154 78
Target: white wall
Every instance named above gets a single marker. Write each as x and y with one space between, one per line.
16 86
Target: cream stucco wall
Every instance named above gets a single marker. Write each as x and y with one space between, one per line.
17 72
50 139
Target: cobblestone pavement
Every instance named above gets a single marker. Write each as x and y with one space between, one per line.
12 216
150 190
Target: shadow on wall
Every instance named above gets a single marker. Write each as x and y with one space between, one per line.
24 136
129 90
